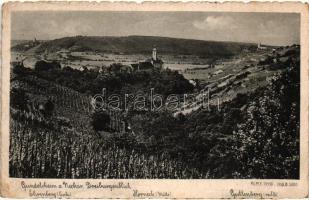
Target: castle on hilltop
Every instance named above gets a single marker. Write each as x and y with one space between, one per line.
155 61
152 63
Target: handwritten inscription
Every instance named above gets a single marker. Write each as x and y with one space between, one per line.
65 189
99 185
49 194
240 194
138 194
38 185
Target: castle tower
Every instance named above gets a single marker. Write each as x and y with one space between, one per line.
154 54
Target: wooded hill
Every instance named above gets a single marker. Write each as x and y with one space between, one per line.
141 45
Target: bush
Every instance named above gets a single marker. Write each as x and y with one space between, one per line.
18 99
44 66
18 68
101 121
49 107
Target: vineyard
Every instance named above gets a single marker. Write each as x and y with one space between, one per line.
56 133
57 148
39 153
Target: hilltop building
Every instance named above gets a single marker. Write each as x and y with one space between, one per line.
149 64
32 43
155 61
35 42
260 47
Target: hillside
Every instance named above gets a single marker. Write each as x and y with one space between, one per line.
142 44
67 133
52 109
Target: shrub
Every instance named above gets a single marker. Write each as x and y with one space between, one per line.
100 121
44 66
18 99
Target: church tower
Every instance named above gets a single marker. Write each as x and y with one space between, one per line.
154 54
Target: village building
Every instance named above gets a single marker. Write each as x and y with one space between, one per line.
218 72
83 68
192 82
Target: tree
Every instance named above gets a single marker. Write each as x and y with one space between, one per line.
100 121
42 65
18 68
49 107
267 143
18 99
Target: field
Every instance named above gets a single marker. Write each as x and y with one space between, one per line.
93 60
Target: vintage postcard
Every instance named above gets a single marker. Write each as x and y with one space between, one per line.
154 100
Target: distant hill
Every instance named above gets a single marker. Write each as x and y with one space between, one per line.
18 42
142 45
25 45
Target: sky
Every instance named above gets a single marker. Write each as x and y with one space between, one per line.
268 28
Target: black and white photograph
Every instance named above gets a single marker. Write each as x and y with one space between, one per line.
154 95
